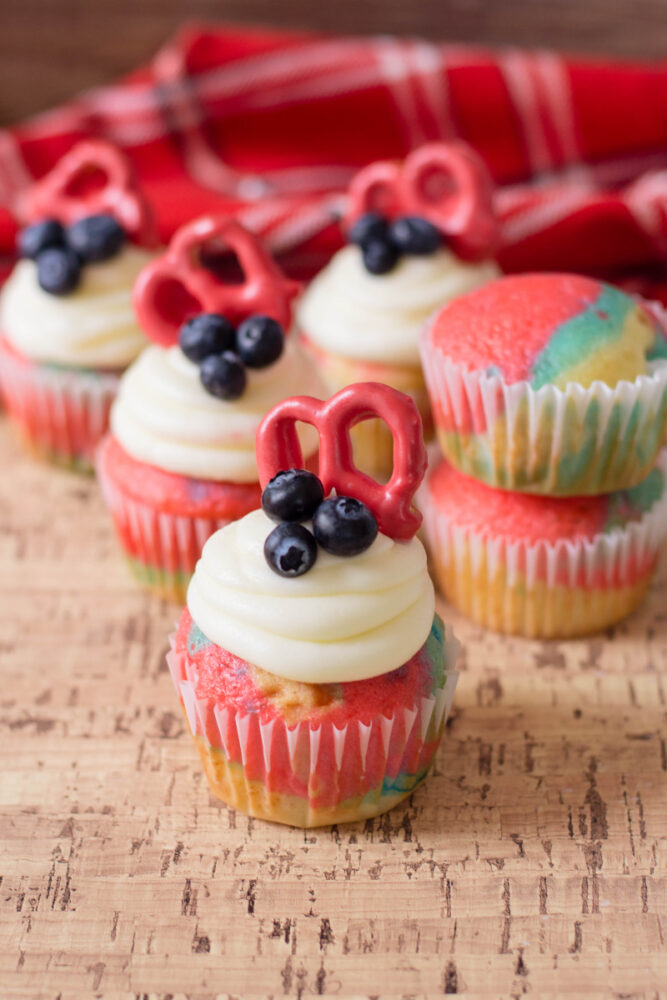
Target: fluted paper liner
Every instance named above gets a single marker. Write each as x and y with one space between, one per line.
545 589
313 774
61 413
562 442
162 548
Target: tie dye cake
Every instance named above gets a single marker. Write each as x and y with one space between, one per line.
311 754
548 383
543 566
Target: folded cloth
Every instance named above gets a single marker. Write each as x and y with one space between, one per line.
271 126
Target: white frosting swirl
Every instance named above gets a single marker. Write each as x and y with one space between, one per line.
344 620
92 327
350 312
164 416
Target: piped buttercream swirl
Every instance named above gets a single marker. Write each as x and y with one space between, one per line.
92 327
346 619
355 314
165 417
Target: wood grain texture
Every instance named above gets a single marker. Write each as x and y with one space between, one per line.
533 861
51 49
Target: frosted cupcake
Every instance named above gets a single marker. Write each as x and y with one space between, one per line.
179 462
548 383
544 567
312 668
419 235
67 324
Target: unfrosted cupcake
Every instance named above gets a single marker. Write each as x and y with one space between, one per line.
67 324
313 671
419 235
179 462
543 566
548 383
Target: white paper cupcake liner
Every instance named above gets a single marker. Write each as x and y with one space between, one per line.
61 413
562 442
308 774
545 589
162 548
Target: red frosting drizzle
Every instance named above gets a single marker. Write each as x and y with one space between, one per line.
176 286
446 183
278 448
93 178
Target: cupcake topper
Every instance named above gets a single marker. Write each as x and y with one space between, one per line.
445 183
177 286
278 448
71 191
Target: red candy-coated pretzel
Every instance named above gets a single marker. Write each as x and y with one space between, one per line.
278 448
62 194
176 286
446 183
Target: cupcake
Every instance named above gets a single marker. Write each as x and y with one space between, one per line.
67 324
540 566
418 235
314 673
179 461
548 383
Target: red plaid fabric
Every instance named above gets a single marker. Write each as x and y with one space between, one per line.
271 126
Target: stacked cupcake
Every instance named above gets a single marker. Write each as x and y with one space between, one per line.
549 395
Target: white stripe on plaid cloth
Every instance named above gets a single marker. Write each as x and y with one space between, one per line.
392 61
287 67
551 207
517 69
647 200
595 178
556 89
430 67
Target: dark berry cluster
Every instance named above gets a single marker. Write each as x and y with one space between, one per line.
223 352
342 526
384 242
60 252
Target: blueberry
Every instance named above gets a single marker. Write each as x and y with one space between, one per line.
414 235
259 341
293 495
290 550
368 227
58 270
41 236
223 375
379 256
206 334
344 526
96 238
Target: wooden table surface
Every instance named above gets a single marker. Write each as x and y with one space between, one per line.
534 860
